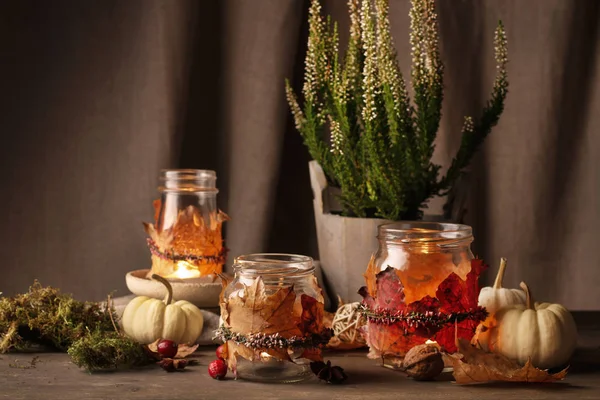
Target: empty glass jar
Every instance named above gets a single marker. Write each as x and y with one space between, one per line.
272 318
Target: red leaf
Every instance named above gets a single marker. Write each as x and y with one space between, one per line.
390 291
427 303
391 340
456 295
464 329
473 289
311 319
451 294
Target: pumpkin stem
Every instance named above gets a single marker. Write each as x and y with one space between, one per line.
165 282
500 276
530 304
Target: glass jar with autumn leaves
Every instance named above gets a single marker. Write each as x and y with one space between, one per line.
185 239
421 285
272 318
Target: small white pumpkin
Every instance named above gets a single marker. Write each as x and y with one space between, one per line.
545 333
495 297
146 319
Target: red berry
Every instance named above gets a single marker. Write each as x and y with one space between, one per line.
217 369
167 348
222 352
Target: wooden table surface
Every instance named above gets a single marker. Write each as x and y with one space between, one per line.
55 377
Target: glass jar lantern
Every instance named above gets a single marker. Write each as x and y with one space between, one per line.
422 284
186 239
272 318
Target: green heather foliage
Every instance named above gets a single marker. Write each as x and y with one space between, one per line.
359 123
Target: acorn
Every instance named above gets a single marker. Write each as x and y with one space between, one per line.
423 362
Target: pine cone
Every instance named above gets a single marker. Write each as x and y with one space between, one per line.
328 373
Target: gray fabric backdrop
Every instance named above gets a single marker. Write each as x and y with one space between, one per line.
98 95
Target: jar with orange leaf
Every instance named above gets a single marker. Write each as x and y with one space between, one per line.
186 238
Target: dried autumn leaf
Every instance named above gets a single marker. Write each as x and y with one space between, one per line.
457 295
478 366
426 271
184 350
389 290
153 347
156 204
389 341
311 319
371 277
445 337
257 312
233 351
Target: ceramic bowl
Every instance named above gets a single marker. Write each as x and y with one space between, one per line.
197 291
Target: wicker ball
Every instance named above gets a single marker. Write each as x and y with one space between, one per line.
346 322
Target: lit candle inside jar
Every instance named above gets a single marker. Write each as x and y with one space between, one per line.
184 270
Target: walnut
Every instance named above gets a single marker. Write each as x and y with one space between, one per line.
423 362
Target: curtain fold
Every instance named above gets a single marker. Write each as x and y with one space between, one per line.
99 95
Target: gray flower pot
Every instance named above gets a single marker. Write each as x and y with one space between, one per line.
345 243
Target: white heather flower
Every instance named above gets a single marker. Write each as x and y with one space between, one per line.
352 72
501 56
468 126
354 20
336 137
295 107
389 71
426 60
500 46
313 53
370 84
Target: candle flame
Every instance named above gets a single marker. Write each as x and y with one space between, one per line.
432 343
184 270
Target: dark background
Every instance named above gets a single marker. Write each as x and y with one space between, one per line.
98 95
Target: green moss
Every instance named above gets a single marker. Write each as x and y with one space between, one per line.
100 351
44 316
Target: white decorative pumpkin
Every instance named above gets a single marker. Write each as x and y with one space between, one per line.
543 332
495 297
146 319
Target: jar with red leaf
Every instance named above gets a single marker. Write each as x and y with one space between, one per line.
421 286
272 318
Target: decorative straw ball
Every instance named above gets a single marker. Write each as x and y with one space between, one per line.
346 322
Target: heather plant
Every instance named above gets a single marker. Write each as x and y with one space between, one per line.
359 123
